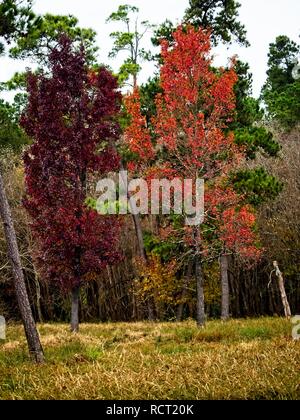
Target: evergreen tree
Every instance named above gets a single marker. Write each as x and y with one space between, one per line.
281 91
221 17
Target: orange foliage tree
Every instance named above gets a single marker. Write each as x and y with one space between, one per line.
191 140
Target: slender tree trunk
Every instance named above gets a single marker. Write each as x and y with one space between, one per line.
134 81
200 293
32 336
150 307
38 295
284 299
179 313
225 287
75 309
142 252
138 229
75 292
36 277
186 282
136 221
139 234
199 281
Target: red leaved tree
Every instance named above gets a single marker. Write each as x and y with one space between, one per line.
191 132
71 117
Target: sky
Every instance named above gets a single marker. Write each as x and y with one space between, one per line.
264 20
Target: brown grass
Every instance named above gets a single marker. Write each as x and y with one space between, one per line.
241 359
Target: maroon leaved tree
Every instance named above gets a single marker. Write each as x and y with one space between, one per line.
71 116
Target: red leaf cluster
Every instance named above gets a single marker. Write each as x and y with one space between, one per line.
137 136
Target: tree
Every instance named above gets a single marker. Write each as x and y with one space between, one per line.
234 224
192 114
279 219
71 116
37 42
148 93
33 340
283 55
219 17
251 186
16 19
129 41
43 37
281 91
247 127
11 135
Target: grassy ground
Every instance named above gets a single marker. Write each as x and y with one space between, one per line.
242 359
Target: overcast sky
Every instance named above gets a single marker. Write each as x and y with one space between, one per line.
264 20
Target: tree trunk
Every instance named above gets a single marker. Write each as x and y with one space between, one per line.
139 235
77 262
284 299
134 81
38 295
32 336
187 279
199 281
225 287
75 309
136 220
140 239
179 312
200 293
142 252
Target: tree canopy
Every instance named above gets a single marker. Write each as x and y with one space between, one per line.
16 19
220 17
281 91
129 41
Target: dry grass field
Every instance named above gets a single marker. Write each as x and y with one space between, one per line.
241 359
